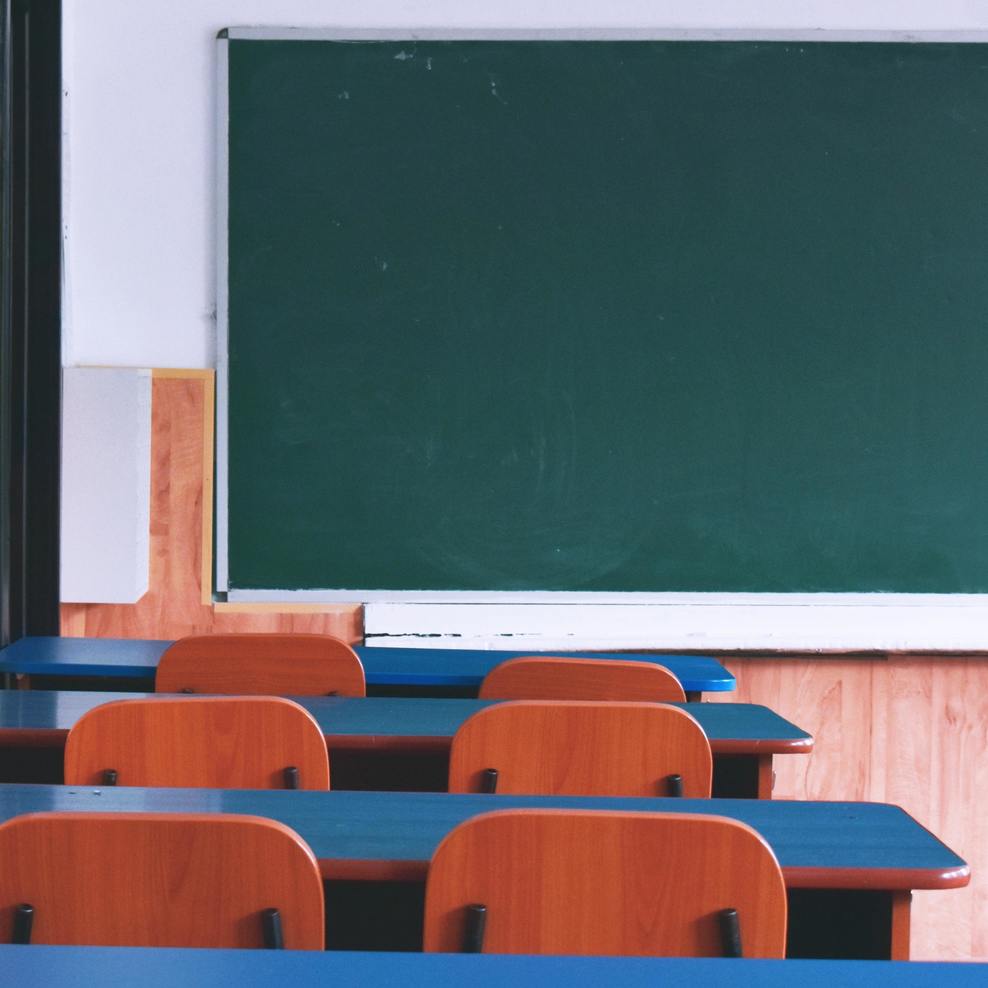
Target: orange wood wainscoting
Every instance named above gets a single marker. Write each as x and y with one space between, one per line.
905 729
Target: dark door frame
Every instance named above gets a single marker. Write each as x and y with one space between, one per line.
30 315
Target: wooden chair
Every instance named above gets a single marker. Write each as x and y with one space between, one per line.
593 882
262 665
158 880
243 742
581 748
538 677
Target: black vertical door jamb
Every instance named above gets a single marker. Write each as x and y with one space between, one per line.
30 316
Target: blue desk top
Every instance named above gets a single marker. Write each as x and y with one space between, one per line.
165 967
361 834
731 727
51 656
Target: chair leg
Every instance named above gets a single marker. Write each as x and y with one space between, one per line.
271 926
488 782
23 921
291 777
674 785
109 777
473 933
730 933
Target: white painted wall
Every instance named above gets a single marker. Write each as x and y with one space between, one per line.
139 119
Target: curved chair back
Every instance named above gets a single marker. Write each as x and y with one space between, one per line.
538 677
158 880
262 665
592 882
243 742
581 748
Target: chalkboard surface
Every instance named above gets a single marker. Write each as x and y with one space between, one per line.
618 316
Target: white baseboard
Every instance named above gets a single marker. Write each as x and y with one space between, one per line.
796 622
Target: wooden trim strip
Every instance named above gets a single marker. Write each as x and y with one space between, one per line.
761 746
374 871
766 777
54 737
43 737
50 737
879 879
742 748
387 742
184 373
900 933
208 453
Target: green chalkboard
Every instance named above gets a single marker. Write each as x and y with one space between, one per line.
612 316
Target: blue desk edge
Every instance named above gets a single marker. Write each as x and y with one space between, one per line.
138 658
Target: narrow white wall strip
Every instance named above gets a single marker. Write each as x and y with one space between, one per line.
106 484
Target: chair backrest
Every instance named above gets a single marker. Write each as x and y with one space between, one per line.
261 664
577 747
593 882
233 742
539 677
158 880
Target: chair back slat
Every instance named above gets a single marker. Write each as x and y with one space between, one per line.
158 880
593 882
551 678
581 748
261 665
243 742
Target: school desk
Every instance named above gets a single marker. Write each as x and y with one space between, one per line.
165 967
402 743
849 867
412 669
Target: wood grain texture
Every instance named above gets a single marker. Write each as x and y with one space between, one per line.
571 882
261 665
208 446
901 926
581 748
159 880
540 677
216 742
178 601
905 729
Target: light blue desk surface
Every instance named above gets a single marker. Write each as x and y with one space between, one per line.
738 728
376 836
164 967
136 658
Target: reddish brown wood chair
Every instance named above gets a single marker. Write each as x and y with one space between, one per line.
158 880
242 742
539 677
262 665
581 748
595 882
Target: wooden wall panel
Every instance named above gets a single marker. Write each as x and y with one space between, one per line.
909 730
178 602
